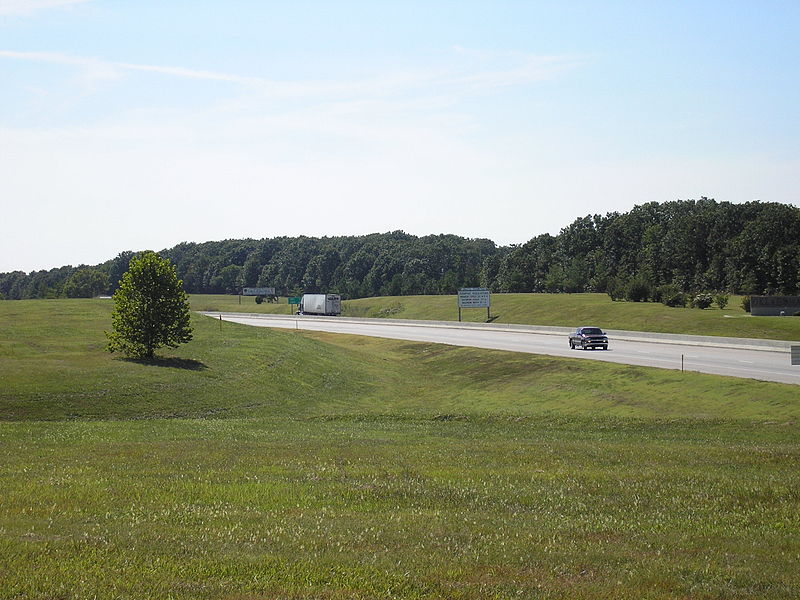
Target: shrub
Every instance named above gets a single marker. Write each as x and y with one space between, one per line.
638 290
702 300
721 300
671 295
616 288
259 299
746 304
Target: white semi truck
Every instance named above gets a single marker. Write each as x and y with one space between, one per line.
320 304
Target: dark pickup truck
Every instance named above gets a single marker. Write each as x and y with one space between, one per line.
588 337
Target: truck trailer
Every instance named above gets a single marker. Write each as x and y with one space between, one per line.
320 304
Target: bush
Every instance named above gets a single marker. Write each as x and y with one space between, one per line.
702 300
616 288
746 304
638 290
259 299
721 300
671 295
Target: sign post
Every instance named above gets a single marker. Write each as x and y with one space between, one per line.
474 298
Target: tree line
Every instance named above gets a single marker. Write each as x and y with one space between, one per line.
684 246
394 263
690 246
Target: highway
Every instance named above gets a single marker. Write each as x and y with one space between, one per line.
720 356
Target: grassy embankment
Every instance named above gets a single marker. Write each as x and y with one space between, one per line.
568 310
364 468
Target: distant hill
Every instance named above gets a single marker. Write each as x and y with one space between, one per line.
694 245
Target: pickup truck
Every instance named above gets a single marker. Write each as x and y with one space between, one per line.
588 337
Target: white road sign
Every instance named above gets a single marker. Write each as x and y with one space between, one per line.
473 298
258 291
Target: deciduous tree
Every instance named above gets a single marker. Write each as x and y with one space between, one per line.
85 283
151 309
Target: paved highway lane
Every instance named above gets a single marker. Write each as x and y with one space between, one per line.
764 364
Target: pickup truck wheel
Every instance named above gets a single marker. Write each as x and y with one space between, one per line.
571 345
605 347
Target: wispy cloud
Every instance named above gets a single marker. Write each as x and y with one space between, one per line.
92 70
193 73
517 69
59 58
531 70
27 7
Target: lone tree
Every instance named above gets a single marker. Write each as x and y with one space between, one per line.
150 308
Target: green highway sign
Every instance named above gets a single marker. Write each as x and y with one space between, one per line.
294 299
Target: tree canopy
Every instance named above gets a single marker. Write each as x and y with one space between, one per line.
693 245
86 283
151 309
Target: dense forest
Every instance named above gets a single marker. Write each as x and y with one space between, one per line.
687 246
703 245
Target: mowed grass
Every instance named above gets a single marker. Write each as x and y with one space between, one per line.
54 367
301 465
568 310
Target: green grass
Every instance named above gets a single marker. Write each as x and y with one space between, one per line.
398 509
54 366
300 465
568 310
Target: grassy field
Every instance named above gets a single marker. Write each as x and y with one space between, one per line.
568 310
254 463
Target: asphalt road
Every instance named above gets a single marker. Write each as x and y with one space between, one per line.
764 364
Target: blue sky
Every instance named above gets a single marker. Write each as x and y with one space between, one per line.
133 125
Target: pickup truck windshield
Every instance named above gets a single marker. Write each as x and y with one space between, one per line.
591 331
